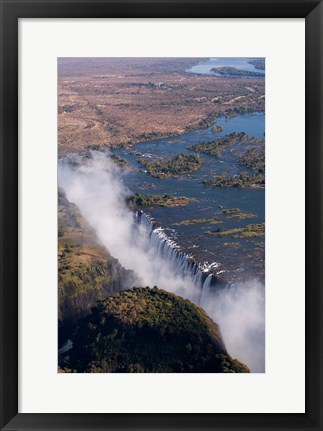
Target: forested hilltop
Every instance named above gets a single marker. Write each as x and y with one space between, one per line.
163 172
145 330
118 330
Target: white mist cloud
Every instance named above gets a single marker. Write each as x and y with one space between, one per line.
95 185
240 312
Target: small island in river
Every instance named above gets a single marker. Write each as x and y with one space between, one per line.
178 165
214 147
249 231
217 129
242 180
168 201
161 211
254 159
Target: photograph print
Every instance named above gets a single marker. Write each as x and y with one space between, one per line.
161 215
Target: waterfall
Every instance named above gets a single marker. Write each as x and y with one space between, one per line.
168 250
206 289
94 184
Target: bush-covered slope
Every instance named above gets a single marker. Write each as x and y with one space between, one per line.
149 330
86 271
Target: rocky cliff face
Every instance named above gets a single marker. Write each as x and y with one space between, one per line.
117 329
86 271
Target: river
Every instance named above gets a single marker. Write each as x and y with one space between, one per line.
240 63
241 258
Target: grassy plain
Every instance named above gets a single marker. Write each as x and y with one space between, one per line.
109 102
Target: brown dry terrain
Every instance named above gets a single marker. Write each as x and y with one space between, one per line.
108 102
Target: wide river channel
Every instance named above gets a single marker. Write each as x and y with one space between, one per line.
241 258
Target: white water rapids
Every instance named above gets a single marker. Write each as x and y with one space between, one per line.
94 183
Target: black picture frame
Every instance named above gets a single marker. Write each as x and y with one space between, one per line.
11 11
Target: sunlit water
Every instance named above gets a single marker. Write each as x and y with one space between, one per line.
240 63
241 258
238 306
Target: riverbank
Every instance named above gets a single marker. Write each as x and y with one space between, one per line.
114 103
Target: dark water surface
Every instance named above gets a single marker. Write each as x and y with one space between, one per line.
241 258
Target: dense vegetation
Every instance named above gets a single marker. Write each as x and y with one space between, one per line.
249 231
120 161
178 165
80 288
241 110
203 124
141 200
254 159
148 330
233 71
242 180
86 271
214 147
